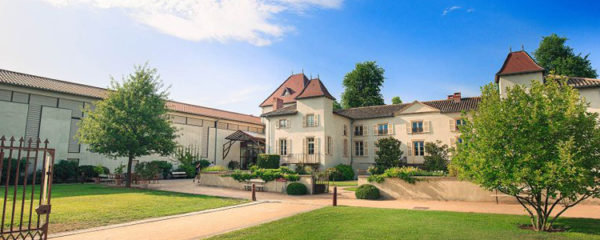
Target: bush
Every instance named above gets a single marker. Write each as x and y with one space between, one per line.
268 161
345 172
303 170
233 165
388 153
404 173
367 191
266 175
374 169
13 169
436 158
204 163
66 171
164 167
147 170
296 189
214 169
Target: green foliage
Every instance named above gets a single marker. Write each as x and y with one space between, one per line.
554 55
99 170
303 170
233 165
336 105
215 168
132 120
389 153
367 191
188 158
405 173
13 169
66 171
341 172
396 100
266 175
268 161
534 144
147 170
119 169
164 167
373 169
363 86
296 188
204 163
436 157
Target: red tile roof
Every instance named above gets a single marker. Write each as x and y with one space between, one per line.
518 62
315 88
32 81
294 83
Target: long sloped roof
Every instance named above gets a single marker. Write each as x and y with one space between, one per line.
49 84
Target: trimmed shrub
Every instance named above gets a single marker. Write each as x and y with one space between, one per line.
66 171
216 168
367 191
268 161
342 172
147 170
13 169
233 165
164 167
296 189
204 163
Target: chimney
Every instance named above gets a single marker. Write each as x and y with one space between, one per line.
455 97
277 103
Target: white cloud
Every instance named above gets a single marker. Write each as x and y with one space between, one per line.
253 21
450 9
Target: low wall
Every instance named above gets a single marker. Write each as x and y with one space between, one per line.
215 179
441 188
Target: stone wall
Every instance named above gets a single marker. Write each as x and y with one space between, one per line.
216 179
441 189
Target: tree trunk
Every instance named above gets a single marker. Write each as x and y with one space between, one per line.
129 175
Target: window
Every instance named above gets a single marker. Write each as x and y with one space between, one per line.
283 123
310 120
286 92
310 146
359 148
459 122
382 129
329 145
345 130
283 147
418 148
358 131
417 126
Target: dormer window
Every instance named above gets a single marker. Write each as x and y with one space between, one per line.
286 92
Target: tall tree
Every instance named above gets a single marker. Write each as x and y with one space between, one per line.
388 153
554 55
543 149
336 105
132 121
396 100
363 86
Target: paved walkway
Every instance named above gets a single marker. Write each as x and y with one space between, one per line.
193 225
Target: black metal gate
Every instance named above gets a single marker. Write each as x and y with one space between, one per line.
26 182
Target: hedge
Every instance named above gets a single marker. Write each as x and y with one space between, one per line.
367 191
268 161
296 189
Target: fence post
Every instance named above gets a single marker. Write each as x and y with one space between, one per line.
253 192
334 196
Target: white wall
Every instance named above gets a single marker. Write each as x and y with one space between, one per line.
13 118
521 79
54 126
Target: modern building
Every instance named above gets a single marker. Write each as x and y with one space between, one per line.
39 107
302 126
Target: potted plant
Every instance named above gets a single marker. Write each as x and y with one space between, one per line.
119 174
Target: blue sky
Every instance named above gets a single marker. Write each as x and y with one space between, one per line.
232 54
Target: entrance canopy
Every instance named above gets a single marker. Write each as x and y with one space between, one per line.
244 136
251 141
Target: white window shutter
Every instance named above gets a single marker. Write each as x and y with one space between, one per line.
304 121
352 149
427 127
278 150
452 125
289 146
317 120
288 123
304 146
317 146
277 124
408 128
365 148
409 149
375 132
390 129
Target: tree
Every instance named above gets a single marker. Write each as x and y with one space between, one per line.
363 86
396 100
388 154
436 158
554 55
132 121
538 145
336 105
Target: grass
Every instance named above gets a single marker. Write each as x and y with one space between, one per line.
79 206
376 223
344 183
350 189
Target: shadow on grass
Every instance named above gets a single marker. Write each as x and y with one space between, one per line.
580 225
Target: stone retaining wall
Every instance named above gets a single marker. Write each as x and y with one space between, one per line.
441 188
216 179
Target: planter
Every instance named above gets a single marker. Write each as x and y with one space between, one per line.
96 180
319 188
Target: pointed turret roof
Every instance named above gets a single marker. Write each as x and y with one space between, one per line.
315 88
518 62
293 85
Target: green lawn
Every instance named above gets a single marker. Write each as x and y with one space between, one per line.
376 223
344 183
350 189
78 206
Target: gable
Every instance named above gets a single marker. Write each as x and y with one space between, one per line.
288 90
417 107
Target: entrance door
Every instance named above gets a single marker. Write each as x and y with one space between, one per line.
248 154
